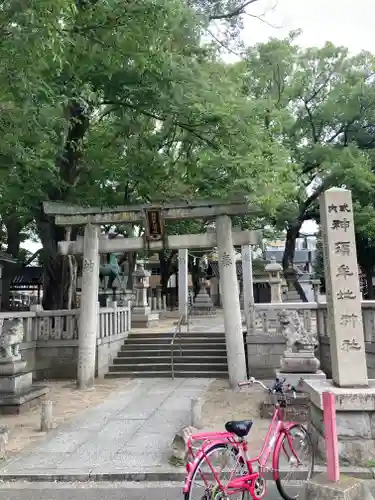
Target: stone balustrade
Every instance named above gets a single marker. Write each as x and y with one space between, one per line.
50 342
265 346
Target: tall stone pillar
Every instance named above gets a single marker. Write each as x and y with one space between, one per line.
354 393
88 318
231 302
183 284
348 355
247 284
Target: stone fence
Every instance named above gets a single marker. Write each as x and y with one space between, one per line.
265 345
50 343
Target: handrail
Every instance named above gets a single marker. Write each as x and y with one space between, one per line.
177 332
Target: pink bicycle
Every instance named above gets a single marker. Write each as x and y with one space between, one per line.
233 472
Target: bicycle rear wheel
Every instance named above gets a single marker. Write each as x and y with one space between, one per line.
299 456
221 460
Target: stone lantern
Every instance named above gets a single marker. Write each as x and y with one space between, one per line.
274 272
142 317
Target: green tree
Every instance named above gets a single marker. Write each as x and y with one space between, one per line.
315 98
112 105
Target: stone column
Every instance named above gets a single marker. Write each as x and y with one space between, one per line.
88 318
247 283
231 302
348 356
183 285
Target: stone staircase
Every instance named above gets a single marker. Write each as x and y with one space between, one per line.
196 354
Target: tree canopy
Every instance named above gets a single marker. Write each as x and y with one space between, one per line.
105 105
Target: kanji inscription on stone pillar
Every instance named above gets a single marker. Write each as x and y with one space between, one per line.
345 326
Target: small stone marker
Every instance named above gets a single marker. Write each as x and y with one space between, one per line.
3 441
348 356
46 417
196 413
179 444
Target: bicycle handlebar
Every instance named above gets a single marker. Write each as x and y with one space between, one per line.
277 388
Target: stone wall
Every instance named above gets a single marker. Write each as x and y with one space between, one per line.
325 357
263 354
356 435
106 350
57 359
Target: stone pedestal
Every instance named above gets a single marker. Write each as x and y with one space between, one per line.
203 305
142 316
347 488
17 392
303 361
355 417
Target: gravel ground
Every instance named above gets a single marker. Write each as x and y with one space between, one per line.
222 404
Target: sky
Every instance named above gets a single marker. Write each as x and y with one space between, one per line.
342 22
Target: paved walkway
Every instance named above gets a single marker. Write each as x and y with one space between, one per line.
129 433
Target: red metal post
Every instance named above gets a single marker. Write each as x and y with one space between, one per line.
330 432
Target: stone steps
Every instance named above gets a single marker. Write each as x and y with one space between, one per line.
156 366
168 374
196 354
158 352
186 342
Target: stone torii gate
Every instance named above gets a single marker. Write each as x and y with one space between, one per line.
153 217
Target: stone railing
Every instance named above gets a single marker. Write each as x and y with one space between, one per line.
314 316
265 345
50 342
63 324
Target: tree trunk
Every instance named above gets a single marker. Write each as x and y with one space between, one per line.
166 269
195 277
288 260
370 288
10 270
132 259
56 276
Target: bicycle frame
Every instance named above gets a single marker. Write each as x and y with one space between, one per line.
276 431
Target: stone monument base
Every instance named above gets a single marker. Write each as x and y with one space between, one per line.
17 392
303 361
355 417
347 488
142 317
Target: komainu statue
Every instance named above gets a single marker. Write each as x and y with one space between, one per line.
297 338
11 337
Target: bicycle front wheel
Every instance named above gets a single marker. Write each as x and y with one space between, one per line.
293 462
220 462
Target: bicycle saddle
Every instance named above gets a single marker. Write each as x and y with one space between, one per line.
240 428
